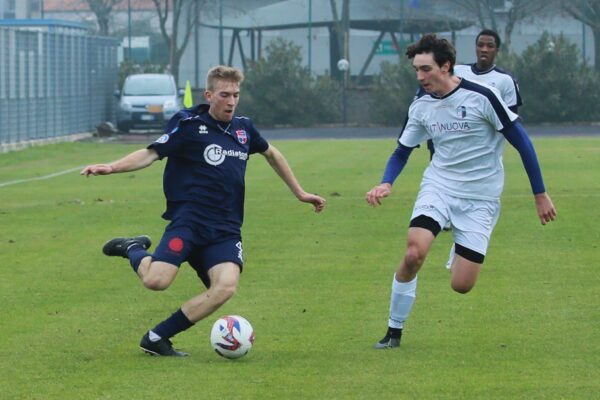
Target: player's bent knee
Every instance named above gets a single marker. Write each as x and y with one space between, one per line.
159 275
156 283
222 293
461 288
414 257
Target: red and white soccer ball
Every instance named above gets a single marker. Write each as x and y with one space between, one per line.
232 336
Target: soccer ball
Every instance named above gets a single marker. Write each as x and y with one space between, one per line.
232 336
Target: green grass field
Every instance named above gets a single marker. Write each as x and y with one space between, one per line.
315 287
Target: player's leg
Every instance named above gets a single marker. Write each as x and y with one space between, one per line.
465 269
157 272
404 283
224 279
219 265
474 221
429 215
157 275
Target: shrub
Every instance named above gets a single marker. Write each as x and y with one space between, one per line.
555 85
393 91
278 90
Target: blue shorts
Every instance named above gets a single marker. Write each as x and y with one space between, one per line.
183 243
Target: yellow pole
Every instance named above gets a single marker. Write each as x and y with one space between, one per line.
187 96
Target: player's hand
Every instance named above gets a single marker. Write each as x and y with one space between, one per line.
97 169
545 208
375 195
317 201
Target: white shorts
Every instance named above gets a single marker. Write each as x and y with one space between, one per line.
472 220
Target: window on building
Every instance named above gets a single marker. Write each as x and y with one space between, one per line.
10 9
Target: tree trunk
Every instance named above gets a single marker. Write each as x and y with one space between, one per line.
341 27
508 29
175 61
596 32
103 25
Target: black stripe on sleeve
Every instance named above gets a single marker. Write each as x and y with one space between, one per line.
492 98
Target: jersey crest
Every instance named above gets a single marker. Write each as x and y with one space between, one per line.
242 137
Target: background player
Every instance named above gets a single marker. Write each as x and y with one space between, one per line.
487 46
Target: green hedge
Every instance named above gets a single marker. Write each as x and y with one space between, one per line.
556 86
393 91
278 90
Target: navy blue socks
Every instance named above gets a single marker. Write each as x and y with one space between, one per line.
136 252
171 326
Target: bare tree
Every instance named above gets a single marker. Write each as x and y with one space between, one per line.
102 9
178 36
487 13
588 12
482 10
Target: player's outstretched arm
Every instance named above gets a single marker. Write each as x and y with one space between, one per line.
132 162
281 166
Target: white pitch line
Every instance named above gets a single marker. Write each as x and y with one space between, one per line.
39 178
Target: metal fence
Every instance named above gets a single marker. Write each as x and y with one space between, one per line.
54 84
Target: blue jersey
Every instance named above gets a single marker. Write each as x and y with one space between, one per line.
206 164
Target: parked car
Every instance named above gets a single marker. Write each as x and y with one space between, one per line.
147 101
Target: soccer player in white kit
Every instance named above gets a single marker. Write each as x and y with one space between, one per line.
487 45
468 123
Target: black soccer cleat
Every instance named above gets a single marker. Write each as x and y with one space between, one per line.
390 340
118 246
162 347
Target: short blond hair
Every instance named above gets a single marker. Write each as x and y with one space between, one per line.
223 73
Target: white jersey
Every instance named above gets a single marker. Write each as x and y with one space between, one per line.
464 126
494 77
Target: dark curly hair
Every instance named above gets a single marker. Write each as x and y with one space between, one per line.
489 32
442 50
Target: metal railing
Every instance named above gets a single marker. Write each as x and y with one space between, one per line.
54 84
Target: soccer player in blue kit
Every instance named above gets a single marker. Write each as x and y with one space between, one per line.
468 123
207 149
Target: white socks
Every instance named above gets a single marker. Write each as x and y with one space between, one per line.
401 302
